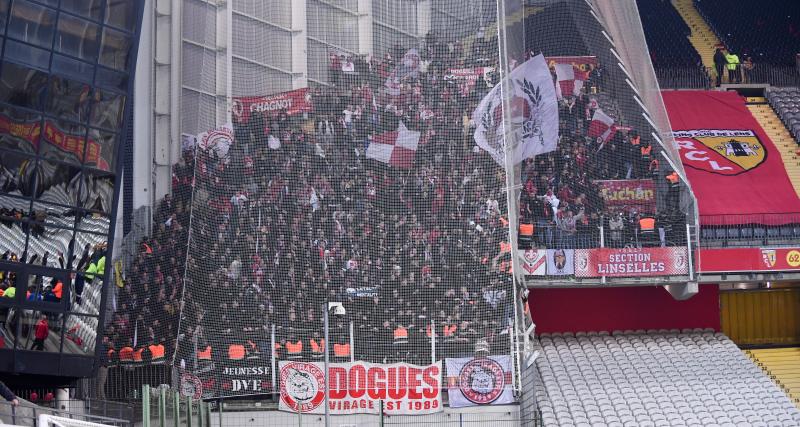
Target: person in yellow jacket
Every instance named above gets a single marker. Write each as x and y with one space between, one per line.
734 73
96 268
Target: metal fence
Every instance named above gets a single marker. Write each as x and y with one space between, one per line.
162 407
26 414
683 77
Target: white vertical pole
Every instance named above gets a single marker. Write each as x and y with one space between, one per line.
352 344
228 61
327 363
433 341
272 357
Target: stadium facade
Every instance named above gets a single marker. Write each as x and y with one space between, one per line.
67 76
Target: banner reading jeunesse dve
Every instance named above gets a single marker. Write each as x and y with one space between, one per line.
292 102
631 262
358 388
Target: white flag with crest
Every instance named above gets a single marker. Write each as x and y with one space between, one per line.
534 114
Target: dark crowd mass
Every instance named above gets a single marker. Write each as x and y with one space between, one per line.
292 213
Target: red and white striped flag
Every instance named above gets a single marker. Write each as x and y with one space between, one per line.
397 148
570 80
602 127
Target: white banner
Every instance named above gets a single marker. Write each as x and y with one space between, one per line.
534 262
534 114
218 140
560 262
481 381
358 388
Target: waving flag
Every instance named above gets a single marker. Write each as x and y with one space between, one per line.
397 148
602 127
534 114
409 67
570 80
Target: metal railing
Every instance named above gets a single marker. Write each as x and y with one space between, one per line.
777 229
683 77
26 414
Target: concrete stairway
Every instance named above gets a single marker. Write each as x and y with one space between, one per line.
782 139
703 38
783 366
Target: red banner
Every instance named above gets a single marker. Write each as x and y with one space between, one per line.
735 260
628 194
292 102
631 262
359 387
56 137
734 168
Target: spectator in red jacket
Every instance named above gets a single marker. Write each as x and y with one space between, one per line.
40 333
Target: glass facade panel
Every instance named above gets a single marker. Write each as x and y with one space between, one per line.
3 15
68 99
100 151
58 182
65 141
27 54
37 330
18 177
77 37
80 334
115 49
72 68
65 68
97 192
19 130
111 79
107 109
22 86
121 14
32 23
92 9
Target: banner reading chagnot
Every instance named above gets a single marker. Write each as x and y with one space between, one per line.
359 387
292 102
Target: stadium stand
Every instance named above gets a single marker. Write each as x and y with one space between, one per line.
783 366
702 37
786 102
675 59
315 227
781 136
655 378
769 35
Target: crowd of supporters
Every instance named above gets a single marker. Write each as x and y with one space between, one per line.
293 212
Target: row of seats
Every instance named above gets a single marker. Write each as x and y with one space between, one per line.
786 102
661 378
744 235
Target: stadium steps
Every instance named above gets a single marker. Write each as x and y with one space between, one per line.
703 38
783 366
783 140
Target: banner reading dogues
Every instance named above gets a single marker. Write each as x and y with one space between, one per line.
628 194
293 102
359 387
481 381
633 262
